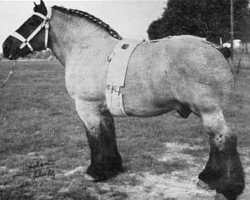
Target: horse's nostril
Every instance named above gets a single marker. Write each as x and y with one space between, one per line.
5 49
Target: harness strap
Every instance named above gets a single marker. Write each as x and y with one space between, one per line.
23 40
49 13
118 63
40 15
46 34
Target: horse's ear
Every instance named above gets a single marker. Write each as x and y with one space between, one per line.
41 8
42 3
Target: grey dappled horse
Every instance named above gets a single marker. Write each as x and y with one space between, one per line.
182 73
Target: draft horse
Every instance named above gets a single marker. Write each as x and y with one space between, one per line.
182 73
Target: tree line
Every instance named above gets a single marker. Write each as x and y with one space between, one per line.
204 18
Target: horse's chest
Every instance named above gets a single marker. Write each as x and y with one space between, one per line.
83 83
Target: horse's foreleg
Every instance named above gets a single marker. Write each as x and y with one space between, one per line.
223 171
105 158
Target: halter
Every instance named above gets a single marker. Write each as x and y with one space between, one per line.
44 24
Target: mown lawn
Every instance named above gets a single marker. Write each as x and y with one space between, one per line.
42 138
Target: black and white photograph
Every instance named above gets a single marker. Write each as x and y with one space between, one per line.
125 100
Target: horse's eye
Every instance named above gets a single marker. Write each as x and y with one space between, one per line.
33 23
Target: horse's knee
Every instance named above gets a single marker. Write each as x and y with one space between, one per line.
90 116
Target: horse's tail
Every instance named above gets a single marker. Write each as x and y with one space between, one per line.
235 69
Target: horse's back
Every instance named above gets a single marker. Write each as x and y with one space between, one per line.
182 70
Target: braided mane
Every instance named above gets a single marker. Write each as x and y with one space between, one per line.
90 18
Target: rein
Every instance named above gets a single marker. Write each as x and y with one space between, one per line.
9 75
44 24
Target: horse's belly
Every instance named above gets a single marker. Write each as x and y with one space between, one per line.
147 89
145 110
141 101
147 94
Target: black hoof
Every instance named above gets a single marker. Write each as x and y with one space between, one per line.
102 172
230 189
224 171
227 179
209 177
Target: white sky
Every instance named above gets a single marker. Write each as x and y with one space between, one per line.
130 18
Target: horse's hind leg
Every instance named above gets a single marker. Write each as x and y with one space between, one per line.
105 158
223 170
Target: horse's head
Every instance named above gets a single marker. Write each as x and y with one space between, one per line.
31 36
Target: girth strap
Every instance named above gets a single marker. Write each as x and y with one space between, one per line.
119 60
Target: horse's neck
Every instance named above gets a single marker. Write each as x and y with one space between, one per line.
71 35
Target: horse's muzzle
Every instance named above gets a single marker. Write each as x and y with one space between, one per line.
6 49
11 49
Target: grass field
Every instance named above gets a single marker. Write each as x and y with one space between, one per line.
44 151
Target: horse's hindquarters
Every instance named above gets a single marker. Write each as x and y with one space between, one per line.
176 73
147 91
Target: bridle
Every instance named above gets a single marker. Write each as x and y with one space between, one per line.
44 24
26 42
